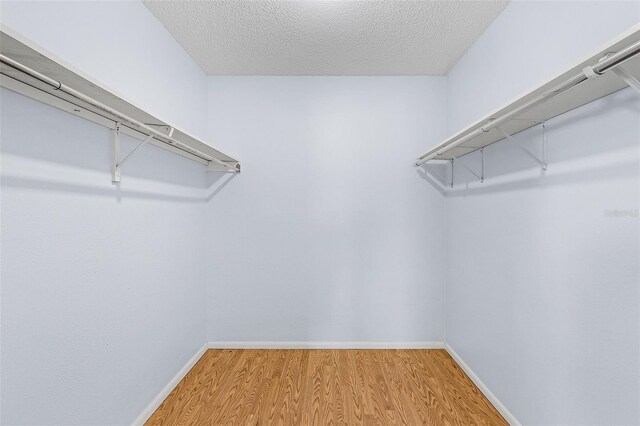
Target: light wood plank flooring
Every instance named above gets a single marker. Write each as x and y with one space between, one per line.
326 387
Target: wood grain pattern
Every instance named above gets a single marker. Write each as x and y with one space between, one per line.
326 387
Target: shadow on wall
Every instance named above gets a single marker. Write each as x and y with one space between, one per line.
580 148
115 192
217 182
428 173
44 148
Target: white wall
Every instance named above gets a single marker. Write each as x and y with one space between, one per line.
102 286
328 234
542 286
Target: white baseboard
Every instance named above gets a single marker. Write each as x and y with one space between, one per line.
510 418
326 345
144 416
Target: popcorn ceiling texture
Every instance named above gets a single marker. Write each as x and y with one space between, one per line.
326 37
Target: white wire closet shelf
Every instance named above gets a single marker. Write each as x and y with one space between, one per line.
613 67
28 69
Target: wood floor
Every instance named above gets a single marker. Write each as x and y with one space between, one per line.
326 387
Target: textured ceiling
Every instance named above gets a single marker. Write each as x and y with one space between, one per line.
326 37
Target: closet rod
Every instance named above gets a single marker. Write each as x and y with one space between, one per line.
616 59
97 104
587 73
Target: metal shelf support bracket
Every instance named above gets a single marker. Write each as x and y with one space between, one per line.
115 166
435 174
126 157
452 173
482 165
627 77
470 170
544 147
541 161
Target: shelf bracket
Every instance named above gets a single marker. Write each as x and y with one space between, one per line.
452 173
481 165
115 167
540 161
144 142
470 170
627 77
435 174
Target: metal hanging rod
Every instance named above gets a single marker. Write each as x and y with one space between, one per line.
616 59
123 118
608 63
